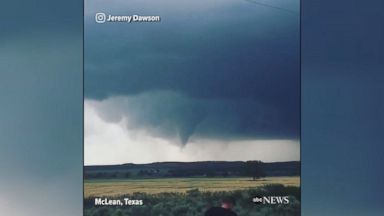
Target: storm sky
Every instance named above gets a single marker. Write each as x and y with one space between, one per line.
214 80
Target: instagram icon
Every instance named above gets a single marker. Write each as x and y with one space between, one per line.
100 17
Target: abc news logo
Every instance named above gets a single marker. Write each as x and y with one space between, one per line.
273 200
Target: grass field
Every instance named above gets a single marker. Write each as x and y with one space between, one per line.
101 188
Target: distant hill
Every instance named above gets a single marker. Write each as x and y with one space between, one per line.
187 169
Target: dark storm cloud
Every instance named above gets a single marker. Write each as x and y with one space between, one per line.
244 55
174 116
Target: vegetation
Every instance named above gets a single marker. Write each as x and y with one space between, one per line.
253 169
117 187
195 202
190 188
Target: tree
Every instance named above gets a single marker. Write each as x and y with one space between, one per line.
254 169
127 174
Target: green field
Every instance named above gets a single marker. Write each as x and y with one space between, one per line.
118 187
